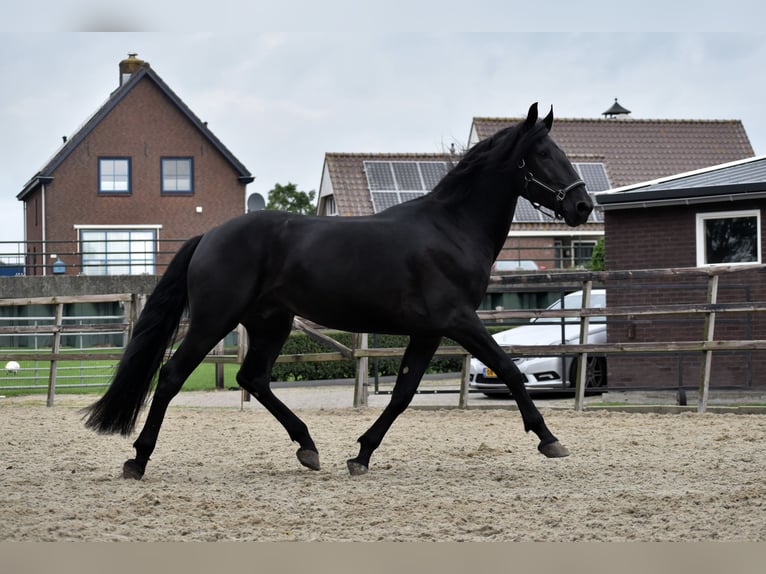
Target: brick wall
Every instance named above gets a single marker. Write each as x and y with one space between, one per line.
655 238
538 249
144 126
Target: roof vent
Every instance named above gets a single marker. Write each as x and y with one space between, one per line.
615 110
130 66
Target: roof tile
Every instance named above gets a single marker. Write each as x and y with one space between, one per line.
635 150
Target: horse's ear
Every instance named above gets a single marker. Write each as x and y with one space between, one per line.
531 116
548 120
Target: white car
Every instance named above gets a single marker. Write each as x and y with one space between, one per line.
550 371
515 265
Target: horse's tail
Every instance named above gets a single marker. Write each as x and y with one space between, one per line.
118 409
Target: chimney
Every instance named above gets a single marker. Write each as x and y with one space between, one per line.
130 66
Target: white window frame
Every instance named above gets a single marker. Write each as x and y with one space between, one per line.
701 218
122 262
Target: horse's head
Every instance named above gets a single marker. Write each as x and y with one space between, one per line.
549 179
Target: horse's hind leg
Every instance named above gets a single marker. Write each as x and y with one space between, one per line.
413 366
266 336
172 376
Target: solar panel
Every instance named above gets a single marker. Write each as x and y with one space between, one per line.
594 176
407 175
433 172
394 182
383 200
379 175
526 213
409 195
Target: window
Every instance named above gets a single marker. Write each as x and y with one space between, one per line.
329 207
118 251
583 252
728 238
114 175
573 253
177 175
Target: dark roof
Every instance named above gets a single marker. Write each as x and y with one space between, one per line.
636 150
145 71
734 181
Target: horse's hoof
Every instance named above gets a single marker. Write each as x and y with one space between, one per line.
308 458
553 449
356 468
131 469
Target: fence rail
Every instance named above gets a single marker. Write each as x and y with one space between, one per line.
706 345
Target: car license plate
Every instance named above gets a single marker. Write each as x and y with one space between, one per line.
489 373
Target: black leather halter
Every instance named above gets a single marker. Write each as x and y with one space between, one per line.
559 194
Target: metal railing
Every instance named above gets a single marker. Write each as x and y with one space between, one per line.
120 257
109 257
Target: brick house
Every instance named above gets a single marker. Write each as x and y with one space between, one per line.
708 217
142 173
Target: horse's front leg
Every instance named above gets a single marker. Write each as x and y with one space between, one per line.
473 336
414 363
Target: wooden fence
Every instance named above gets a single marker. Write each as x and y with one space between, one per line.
361 353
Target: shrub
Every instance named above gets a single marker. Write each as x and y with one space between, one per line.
300 343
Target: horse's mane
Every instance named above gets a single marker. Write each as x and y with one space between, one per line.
501 152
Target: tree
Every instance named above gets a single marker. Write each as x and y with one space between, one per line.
288 198
597 259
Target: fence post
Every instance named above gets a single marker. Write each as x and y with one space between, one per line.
465 375
242 348
127 315
138 302
361 342
582 358
218 350
56 348
712 298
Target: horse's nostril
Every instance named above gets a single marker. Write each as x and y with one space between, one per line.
583 207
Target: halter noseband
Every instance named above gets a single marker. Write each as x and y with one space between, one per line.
559 194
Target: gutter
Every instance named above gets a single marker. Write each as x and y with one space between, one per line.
44 232
682 201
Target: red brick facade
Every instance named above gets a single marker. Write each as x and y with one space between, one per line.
146 124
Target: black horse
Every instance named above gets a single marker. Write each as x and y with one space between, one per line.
420 269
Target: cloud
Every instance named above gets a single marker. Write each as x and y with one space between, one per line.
280 101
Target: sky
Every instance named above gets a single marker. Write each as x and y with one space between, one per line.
281 100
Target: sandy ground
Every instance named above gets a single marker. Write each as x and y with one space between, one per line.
226 470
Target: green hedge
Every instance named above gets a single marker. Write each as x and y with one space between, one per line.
300 343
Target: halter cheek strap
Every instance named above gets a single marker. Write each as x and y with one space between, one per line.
559 194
